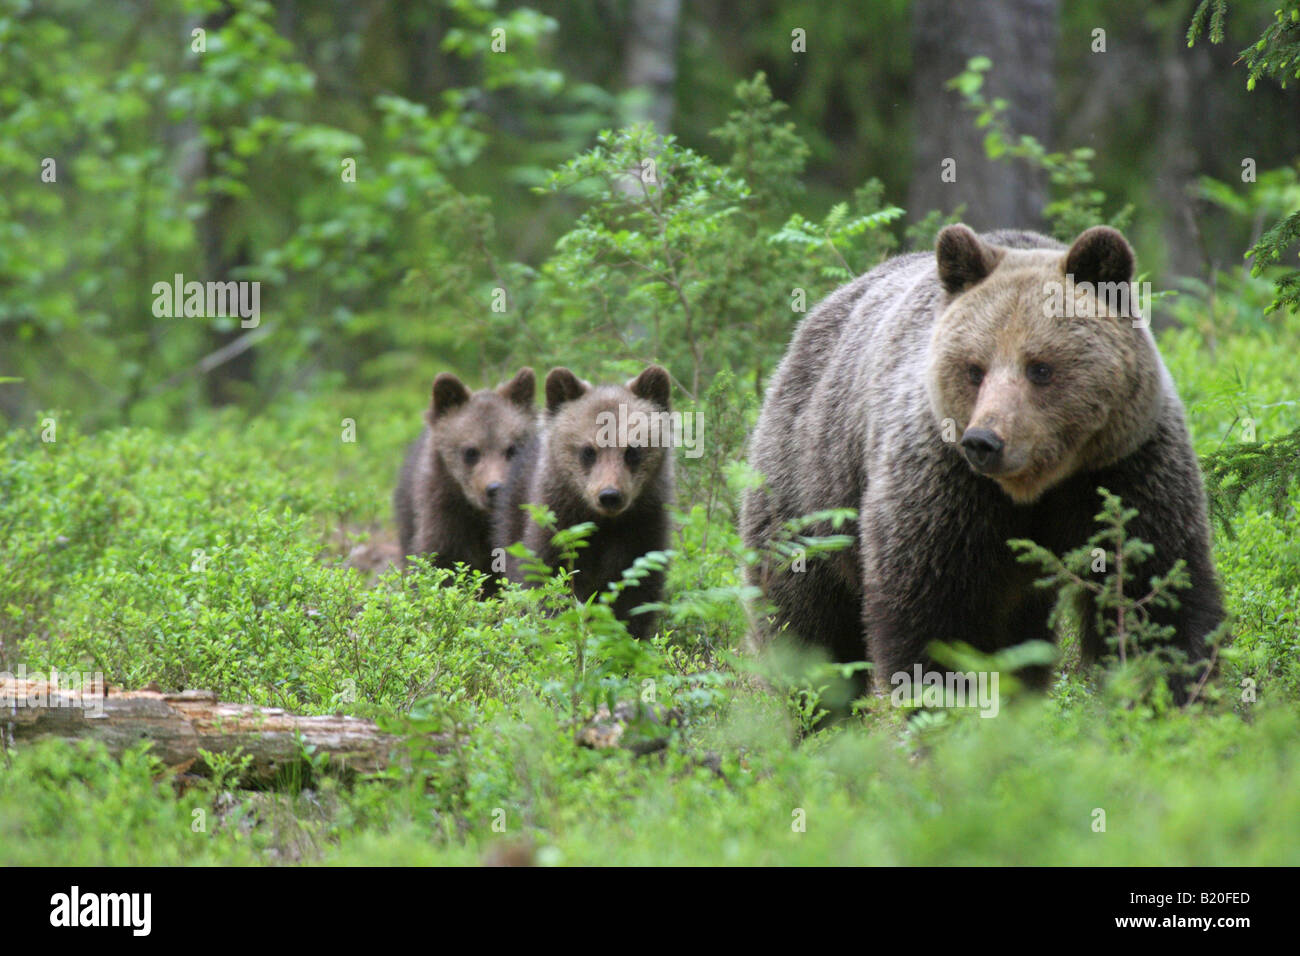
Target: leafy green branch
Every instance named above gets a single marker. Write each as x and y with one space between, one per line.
1081 202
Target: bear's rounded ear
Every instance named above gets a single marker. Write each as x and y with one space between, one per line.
520 389
963 258
653 385
562 386
1100 254
449 393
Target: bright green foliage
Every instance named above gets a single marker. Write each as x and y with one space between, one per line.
1273 466
99 535
1276 55
668 238
1209 13
1270 468
1079 203
1105 571
157 541
356 217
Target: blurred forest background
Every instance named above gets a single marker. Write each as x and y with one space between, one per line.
471 185
213 138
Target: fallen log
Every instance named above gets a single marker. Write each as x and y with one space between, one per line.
180 725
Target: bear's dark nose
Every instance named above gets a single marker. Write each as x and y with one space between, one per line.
492 490
610 498
983 449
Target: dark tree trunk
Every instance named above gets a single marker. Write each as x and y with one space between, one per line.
651 57
1177 167
227 383
1019 36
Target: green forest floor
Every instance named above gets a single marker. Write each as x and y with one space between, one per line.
217 559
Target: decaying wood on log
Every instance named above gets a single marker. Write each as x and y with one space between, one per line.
179 725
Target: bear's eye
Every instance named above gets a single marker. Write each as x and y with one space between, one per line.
632 456
588 456
510 452
975 374
471 456
1040 373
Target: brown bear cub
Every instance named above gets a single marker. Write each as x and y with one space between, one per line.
957 400
604 455
457 467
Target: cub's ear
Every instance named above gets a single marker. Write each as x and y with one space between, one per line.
963 258
563 386
653 385
520 389
1100 254
449 393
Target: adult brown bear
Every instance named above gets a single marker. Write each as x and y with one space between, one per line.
957 400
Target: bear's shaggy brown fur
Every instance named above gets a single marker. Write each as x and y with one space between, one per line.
584 470
458 465
947 400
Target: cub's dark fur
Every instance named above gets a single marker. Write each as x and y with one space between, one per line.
457 467
585 471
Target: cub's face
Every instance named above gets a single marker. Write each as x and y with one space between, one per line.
607 443
1035 389
475 436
